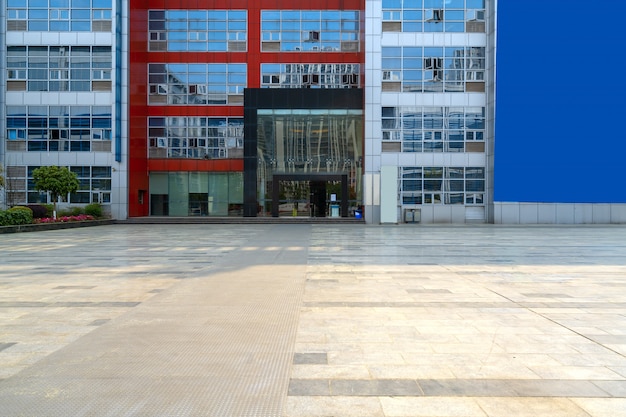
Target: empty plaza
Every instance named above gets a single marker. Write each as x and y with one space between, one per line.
300 320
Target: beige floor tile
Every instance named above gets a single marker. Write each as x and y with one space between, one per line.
431 407
530 407
333 407
434 371
330 372
602 407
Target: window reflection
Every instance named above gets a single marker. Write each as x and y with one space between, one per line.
310 30
433 16
439 185
435 129
197 30
196 84
195 137
310 75
433 69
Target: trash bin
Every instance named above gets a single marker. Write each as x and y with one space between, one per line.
334 210
412 215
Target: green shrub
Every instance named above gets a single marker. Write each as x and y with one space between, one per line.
63 212
20 215
75 211
5 218
49 208
94 210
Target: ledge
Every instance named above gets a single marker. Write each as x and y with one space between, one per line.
53 226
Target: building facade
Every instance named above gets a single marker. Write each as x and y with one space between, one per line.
379 108
429 111
188 115
63 98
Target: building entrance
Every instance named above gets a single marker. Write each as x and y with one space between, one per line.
314 195
306 143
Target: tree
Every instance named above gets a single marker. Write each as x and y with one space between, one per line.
58 181
1 183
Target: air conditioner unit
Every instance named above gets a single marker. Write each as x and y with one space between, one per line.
390 76
476 15
433 15
312 36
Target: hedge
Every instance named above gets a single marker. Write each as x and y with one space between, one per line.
16 216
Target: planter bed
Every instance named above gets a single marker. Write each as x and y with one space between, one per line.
53 226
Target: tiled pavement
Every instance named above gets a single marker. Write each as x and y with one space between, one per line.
314 320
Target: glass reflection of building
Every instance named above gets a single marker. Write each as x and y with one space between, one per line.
310 142
186 142
303 159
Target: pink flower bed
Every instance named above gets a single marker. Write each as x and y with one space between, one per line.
62 219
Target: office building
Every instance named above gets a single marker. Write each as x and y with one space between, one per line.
381 108
64 82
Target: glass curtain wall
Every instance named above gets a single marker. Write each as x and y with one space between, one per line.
324 141
182 194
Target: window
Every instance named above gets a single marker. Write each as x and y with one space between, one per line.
195 137
60 128
94 186
197 30
310 75
442 185
435 129
433 16
196 84
310 30
59 68
59 15
433 69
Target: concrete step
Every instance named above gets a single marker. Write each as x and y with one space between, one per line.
240 220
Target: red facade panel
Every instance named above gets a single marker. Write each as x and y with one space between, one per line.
139 164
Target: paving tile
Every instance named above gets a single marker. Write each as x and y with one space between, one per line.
613 407
555 388
431 407
531 407
333 406
613 388
372 321
309 387
310 358
330 372
375 388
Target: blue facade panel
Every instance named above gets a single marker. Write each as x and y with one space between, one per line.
561 102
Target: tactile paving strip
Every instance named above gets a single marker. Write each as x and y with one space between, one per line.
217 344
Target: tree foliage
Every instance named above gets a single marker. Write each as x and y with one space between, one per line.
58 181
1 177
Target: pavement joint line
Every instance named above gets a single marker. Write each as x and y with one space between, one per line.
562 325
470 304
363 321
521 388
